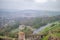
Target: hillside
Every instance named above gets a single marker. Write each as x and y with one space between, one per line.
51 32
10 26
35 23
38 22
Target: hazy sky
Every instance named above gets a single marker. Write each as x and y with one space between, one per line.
30 4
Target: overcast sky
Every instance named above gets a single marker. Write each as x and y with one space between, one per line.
30 4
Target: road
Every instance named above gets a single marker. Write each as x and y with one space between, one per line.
40 29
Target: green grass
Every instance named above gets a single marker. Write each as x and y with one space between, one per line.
7 37
46 38
53 31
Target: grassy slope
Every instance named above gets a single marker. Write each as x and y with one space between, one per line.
5 37
53 31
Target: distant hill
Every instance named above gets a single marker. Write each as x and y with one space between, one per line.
28 13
